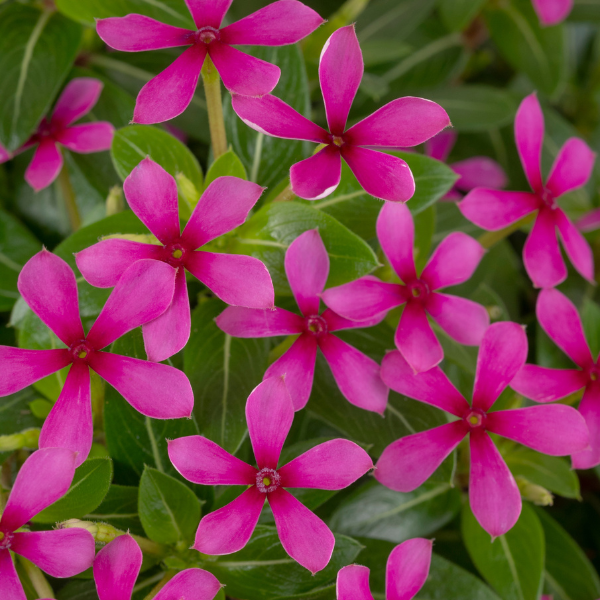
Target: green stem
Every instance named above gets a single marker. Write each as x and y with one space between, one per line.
64 183
38 580
286 195
161 584
491 238
214 106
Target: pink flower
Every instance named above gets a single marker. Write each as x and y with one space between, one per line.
552 12
333 465
493 210
239 280
554 429
402 122
48 285
589 222
77 99
117 566
357 375
453 262
169 93
44 478
559 319
406 572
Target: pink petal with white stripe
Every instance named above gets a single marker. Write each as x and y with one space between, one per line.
252 322
11 585
76 100
548 385
45 165
317 176
408 462
440 145
396 234
200 460
590 411
529 136
353 583
116 568
552 12
87 138
208 12
479 171
572 167
304 536
576 246
407 569
191 583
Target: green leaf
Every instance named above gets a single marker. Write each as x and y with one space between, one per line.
457 14
590 318
267 159
88 489
37 49
223 370
169 510
119 508
268 234
514 563
16 415
569 573
585 10
227 164
375 511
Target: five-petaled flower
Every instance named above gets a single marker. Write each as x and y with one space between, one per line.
493 209
357 375
403 122
553 429
43 479
169 93
452 263
235 279
77 99
332 465
118 564
406 572
48 285
559 318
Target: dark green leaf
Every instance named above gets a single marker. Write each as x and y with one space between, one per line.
16 414
590 317
457 14
119 508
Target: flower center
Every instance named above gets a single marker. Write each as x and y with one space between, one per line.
316 325
6 538
174 254
594 375
338 140
418 290
80 351
549 200
207 34
475 418
267 480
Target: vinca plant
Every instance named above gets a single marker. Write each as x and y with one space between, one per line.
298 299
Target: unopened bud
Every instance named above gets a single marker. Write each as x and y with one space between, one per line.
25 440
495 312
533 492
114 201
142 238
102 532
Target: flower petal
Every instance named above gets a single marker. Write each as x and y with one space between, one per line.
453 262
463 320
11 585
589 222
357 375
69 424
45 165
277 24
153 389
493 493
560 320
304 536
307 268
529 136
317 176
381 175
408 462
223 206
548 385
151 193
116 568
407 569
142 294
576 246
333 465
403 122
440 145
552 12
269 413
191 583
76 100
200 460
432 387
208 12
234 278
590 411
353 583
253 322
87 138
44 478
60 553
168 94
502 354
479 171
416 340
572 167
20 368
396 234
135 33
4 154
337 323
272 116
228 529
496 209
340 72
297 366
241 73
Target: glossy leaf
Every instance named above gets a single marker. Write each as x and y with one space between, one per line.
119 508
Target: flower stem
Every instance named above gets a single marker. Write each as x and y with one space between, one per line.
286 195
491 238
38 580
214 105
161 584
64 183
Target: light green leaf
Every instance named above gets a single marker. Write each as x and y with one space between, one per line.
227 164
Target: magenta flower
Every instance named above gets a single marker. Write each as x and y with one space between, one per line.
159 391
402 122
453 262
493 209
552 12
555 429
77 99
169 93
235 279
406 572
333 465
117 566
589 222
44 478
357 375
559 319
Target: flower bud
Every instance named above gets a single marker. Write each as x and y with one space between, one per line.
26 439
114 201
533 492
102 532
